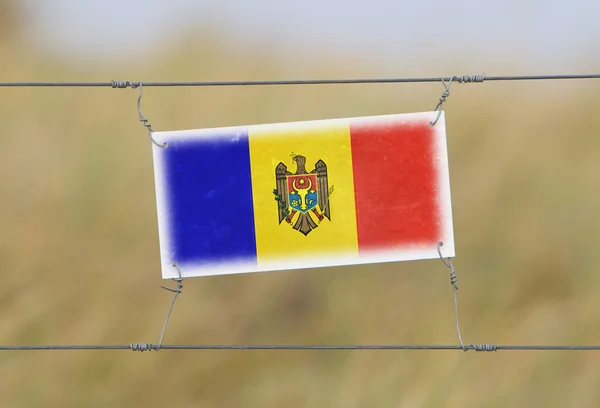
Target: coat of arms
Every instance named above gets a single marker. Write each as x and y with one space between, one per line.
303 196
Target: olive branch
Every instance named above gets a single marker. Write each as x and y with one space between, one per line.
282 207
330 193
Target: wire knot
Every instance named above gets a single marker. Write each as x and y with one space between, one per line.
453 278
143 119
454 291
484 347
177 291
123 84
141 347
146 124
467 79
442 100
179 281
178 288
444 96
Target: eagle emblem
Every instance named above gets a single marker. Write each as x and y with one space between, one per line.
302 197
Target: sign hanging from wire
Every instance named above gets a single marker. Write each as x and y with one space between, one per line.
303 194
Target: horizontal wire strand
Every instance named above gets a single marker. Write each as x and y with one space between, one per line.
460 79
149 347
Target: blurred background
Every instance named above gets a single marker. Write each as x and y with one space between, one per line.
78 239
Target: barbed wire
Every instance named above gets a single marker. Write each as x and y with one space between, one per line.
152 347
459 79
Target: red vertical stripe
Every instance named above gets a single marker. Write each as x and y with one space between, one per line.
395 183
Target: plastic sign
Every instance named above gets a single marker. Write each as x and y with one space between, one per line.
303 194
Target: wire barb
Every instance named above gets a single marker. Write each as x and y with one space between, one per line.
485 347
461 79
141 347
412 347
123 84
466 79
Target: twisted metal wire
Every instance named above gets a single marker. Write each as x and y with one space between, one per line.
177 291
453 282
141 347
460 79
470 79
440 104
123 84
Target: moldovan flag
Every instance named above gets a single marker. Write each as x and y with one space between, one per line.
303 194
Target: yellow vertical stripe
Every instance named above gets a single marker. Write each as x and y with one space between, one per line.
330 242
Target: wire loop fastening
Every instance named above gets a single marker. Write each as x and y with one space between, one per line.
146 346
177 291
443 98
453 282
143 119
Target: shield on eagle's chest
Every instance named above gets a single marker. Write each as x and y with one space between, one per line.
303 192
303 197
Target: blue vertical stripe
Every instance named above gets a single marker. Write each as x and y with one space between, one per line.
210 208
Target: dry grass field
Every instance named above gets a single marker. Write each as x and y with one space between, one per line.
79 247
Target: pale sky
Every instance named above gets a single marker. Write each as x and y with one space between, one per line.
548 36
